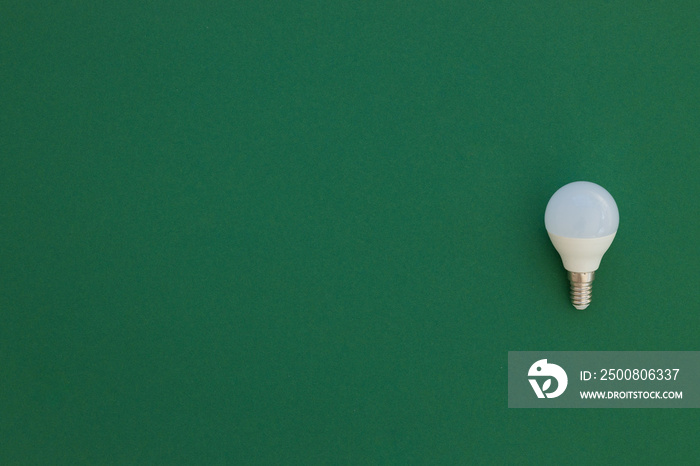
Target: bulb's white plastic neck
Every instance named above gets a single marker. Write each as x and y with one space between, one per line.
581 254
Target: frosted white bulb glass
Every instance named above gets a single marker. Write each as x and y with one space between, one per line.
581 219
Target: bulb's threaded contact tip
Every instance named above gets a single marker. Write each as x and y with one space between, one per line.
581 286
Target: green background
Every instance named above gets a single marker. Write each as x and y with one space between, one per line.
310 232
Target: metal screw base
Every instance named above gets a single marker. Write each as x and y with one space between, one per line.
581 285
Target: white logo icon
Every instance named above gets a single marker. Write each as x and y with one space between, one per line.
542 368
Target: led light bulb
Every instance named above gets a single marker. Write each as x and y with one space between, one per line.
581 219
